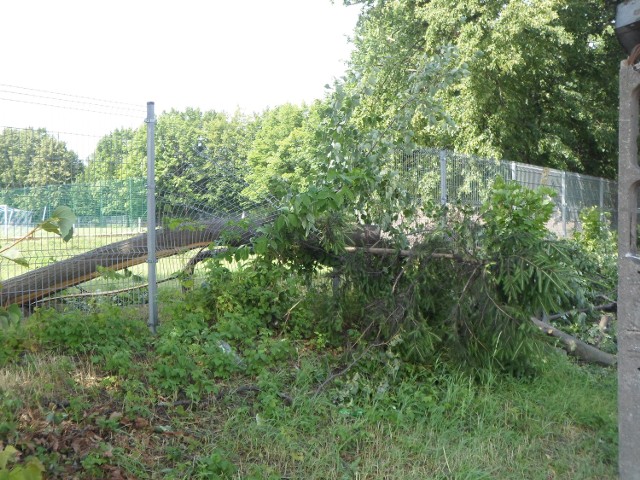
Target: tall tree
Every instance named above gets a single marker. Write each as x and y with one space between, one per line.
282 152
32 157
119 155
541 86
201 158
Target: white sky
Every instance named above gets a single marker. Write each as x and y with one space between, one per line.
212 54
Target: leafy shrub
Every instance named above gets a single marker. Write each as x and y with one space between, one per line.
473 304
15 340
598 251
31 469
110 335
189 356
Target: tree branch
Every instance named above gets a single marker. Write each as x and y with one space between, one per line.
576 347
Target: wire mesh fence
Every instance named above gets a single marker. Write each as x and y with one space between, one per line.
448 177
202 199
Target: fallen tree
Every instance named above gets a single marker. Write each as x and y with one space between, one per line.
38 284
42 282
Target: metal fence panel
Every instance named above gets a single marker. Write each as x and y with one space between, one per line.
468 180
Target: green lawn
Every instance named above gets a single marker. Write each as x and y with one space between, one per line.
90 395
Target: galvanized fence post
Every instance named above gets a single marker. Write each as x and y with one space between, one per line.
151 219
6 221
443 177
563 203
601 199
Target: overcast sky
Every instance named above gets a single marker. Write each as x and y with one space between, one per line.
212 54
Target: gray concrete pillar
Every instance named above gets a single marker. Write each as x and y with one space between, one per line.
628 277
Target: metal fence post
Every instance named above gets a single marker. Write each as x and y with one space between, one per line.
443 178
151 219
601 204
6 221
514 176
563 203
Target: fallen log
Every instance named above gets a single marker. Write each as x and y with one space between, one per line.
576 347
606 307
37 284
33 286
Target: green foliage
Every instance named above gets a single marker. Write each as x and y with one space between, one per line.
472 305
32 469
10 315
110 335
233 325
282 153
533 84
215 466
15 338
594 255
59 222
598 241
32 157
10 405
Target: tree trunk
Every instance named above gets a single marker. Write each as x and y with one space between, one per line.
43 282
37 284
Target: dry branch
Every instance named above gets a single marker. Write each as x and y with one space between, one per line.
606 307
401 253
576 347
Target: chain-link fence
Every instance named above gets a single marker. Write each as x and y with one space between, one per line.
201 197
449 177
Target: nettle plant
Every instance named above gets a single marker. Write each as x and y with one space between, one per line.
60 223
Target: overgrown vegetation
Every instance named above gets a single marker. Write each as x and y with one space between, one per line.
359 333
325 361
96 396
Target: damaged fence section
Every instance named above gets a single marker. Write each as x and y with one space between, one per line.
201 194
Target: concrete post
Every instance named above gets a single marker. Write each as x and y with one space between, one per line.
628 277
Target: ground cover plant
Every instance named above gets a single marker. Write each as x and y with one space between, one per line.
98 397
314 362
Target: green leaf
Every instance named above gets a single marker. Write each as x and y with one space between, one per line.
14 313
261 245
15 256
109 273
60 222
7 454
33 470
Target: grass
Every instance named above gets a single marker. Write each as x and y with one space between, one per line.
84 395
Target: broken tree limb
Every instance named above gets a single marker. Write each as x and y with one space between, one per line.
606 307
33 286
29 287
401 253
576 347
